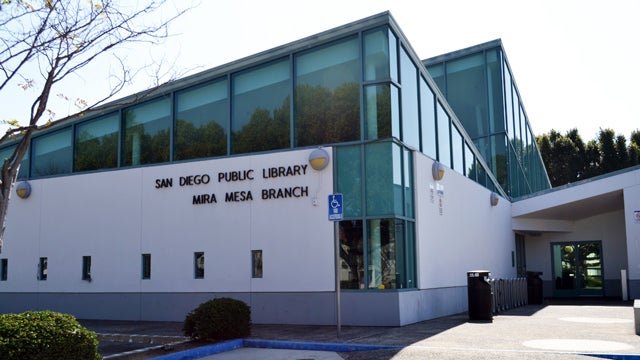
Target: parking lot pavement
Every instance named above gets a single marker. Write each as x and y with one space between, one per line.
552 330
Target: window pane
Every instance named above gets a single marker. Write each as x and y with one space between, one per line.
393 56
97 144
494 91
146 133
456 150
384 189
52 153
500 161
349 179
376 55
146 266
395 112
24 164
469 162
378 111
351 255
467 94
428 120
4 268
437 73
328 95
410 118
256 263
382 236
261 101
508 101
86 268
202 122
407 157
408 272
444 155
42 269
198 264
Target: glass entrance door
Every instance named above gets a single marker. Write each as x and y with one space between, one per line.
577 269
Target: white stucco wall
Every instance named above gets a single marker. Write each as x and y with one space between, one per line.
631 206
608 228
115 216
459 230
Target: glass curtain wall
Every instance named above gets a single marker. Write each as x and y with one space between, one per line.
480 88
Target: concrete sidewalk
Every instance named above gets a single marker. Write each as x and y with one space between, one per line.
550 331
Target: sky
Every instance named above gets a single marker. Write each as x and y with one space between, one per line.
576 63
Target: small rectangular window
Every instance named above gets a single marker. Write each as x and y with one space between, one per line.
198 262
256 263
146 266
4 264
86 268
42 269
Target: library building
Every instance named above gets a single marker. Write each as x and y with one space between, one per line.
337 173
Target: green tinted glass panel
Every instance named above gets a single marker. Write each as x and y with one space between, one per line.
508 101
378 111
376 55
407 157
467 94
494 92
379 178
328 94
382 244
24 164
261 102
202 122
444 144
500 159
52 154
393 56
457 150
349 179
97 143
146 133
437 73
410 117
395 112
469 162
428 119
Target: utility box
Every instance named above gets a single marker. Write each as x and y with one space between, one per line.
480 295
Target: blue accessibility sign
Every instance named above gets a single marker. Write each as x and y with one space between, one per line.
335 207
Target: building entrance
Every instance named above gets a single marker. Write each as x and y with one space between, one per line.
577 269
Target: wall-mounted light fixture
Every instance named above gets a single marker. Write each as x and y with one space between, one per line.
494 199
319 159
23 190
437 171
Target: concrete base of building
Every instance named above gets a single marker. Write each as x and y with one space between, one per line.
358 308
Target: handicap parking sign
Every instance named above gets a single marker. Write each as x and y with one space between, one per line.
335 207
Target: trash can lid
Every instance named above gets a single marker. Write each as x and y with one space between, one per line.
476 273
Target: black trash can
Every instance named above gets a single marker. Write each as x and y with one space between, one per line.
534 287
480 295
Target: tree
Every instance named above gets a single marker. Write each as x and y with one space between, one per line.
42 42
567 159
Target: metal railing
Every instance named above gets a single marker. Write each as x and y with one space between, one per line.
508 293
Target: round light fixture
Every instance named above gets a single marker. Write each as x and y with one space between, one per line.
437 171
494 199
319 159
23 190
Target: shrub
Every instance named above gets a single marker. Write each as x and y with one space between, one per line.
45 335
219 319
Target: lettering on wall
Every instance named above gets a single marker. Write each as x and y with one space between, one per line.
240 177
